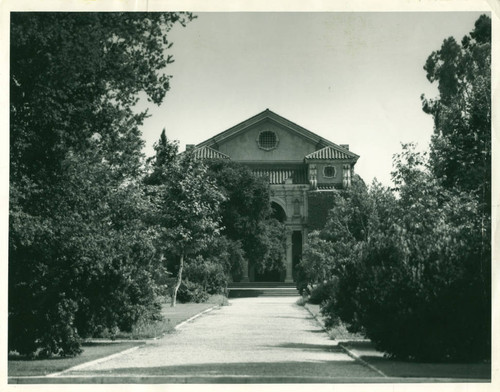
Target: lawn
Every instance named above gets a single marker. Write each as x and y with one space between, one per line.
97 348
19 366
172 316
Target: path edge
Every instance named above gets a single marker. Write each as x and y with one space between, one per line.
181 324
128 350
345 348
95 361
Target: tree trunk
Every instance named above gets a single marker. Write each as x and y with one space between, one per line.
179 280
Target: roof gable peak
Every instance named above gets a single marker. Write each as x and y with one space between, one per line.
266 115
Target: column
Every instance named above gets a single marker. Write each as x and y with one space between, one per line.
346 181
289 262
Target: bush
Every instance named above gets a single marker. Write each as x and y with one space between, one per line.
302 281
416 276
322 292
73 277
191 292
206 273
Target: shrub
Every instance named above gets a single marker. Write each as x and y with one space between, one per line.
319 204
416 279
191 292
322 292
209 274
302 281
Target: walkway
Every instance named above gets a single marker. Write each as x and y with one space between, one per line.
263 339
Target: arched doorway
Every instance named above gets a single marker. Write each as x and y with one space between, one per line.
278 212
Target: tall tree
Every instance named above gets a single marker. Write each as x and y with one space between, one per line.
75 78
165 155
187 206
80 258
190 211
461 144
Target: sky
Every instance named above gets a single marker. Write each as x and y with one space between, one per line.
352 78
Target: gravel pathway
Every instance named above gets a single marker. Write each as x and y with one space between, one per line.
257 338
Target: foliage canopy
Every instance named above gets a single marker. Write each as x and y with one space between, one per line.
81 258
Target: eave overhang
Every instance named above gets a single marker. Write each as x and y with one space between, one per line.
330 153
206 152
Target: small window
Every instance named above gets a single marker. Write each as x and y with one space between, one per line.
268 140
329 171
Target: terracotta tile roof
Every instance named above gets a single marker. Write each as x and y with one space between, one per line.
278 176
331 153
206 152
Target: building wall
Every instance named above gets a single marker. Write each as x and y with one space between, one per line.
244 147
289 197
337 179
295 168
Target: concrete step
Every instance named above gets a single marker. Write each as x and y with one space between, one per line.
241 292
240 285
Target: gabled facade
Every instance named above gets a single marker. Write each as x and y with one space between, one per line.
295 160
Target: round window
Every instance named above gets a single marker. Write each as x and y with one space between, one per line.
329 171
267 140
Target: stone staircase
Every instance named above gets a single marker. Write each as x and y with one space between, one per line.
261 289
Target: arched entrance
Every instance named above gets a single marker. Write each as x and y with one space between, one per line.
278 212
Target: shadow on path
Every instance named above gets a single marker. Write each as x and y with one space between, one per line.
258 369
310 347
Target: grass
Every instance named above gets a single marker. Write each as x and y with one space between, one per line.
20 366
95 349
338 332
171 316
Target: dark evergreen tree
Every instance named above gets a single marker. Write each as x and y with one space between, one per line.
461 144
